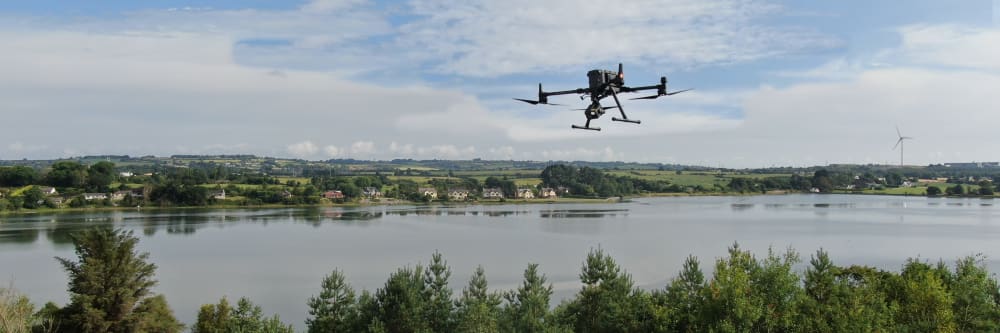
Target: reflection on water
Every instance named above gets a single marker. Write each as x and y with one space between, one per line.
583 213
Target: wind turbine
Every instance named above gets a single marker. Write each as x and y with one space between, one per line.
899 143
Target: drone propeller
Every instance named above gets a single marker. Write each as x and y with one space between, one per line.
661 95
535 102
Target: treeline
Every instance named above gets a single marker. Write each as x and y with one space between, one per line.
826 181
590 182
110 286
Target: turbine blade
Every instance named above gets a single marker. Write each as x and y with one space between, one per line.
897 132
897 143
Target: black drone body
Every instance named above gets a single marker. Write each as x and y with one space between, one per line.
604 83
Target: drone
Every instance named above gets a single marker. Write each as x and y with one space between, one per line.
604 83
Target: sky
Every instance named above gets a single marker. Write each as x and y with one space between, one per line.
776 83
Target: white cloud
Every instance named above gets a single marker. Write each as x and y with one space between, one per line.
333 151
401 150
488 38
363 148
951 45
303 149
447 152
583 154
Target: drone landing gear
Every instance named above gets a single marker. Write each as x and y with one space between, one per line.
587 126
634 121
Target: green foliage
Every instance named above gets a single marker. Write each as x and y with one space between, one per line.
933 190
682 303
478 310
179 193
975 296
99 176
608 301
588 181
17 176
400 303
107 283
246 317
157 317
15 312
334 308
33 198
67 174
528 307
437 295
958 189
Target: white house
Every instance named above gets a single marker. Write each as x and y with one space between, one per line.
525 193
492 193
95 196
428 191
458 194
547 192
372 192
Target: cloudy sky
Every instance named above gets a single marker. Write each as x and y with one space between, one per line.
776 82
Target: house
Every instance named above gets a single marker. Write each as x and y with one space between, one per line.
56 200
47 191
428 192
219 195
458 194
547 192
333 195
95 196
285 194
120 195
372 192
492 193
525 193
126 174
814 190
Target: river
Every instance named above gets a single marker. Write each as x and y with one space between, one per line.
277 257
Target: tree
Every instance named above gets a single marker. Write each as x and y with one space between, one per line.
335 306
400 303
248 317
437 295
33 198
157 317
933 190
478 309
15 311
107 282
17 176
100 175
66 174
213 318
958 189
975 296
528 307
608 301
684 298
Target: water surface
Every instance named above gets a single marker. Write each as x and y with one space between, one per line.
277 257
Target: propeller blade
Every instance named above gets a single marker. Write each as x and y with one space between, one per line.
606 108
647 97
678 92
527 101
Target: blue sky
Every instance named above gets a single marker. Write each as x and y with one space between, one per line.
776 82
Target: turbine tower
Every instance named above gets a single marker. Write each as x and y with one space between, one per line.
899 143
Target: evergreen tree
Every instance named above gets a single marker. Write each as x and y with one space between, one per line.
108 282
478 309
401 303
157 317
335 306
976 297
608 301
684 299
528 307
437 295
213 318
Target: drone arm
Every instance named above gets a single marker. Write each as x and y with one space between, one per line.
635 89
564 92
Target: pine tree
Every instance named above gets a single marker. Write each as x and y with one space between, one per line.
107 283
335 306
437 295
528 307
478 308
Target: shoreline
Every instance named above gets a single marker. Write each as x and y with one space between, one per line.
397 202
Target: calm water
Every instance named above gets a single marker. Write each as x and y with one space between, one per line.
277 257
